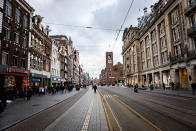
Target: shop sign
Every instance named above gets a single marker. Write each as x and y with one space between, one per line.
33 74
36 80
11 70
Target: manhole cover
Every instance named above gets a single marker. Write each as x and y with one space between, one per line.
36 105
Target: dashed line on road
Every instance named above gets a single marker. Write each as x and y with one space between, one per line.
87 119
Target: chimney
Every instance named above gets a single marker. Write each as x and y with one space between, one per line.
145 10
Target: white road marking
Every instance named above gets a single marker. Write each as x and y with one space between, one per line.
87 119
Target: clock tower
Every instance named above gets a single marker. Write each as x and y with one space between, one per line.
109 68
109 59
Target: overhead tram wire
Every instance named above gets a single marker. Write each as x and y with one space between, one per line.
118 33
86 27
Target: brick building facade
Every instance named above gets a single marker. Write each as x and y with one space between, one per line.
112 74
14 42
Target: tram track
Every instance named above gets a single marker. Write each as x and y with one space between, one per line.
113 103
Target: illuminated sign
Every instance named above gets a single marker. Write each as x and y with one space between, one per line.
11 70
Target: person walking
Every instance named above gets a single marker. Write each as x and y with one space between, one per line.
163 85
95 88
29 93
4 96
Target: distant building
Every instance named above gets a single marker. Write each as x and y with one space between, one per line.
112 74
55 64
62 42
162 48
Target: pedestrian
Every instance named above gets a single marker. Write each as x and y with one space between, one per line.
163 85
172 85
4 96
193 85
40 91
95 88
29 93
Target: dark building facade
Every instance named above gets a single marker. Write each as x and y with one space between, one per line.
14 43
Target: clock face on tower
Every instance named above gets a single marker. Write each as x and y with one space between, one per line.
109 57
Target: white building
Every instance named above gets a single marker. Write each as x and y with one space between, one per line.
55 63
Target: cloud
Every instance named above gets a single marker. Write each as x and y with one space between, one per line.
92 44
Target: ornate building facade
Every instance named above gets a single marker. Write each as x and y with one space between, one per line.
162 48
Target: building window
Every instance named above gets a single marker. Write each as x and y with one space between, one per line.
156 61
192 20
23 61
178 50
143 65
33 41
25 21
154 48
24 42
148 63
15 59
8 9
190 2
176 33
142 46
162 28
7 31
148 52
164 57
194 41
153 35
4 57
17 17
143 55
175 17
16 36
163 42
147 40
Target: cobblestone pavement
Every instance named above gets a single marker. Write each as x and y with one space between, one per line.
74 118
20 109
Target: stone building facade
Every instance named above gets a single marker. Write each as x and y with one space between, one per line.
158 50
14 33
62 42
39 53
55 64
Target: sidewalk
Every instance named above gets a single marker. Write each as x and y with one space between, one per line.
182 93
20 108
85 114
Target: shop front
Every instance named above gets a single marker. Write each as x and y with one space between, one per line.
36 81
55 80
16 81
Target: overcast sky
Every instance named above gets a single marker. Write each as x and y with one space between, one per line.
92 44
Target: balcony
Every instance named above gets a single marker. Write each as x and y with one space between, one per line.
191 54
176 59
190 9
192 31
